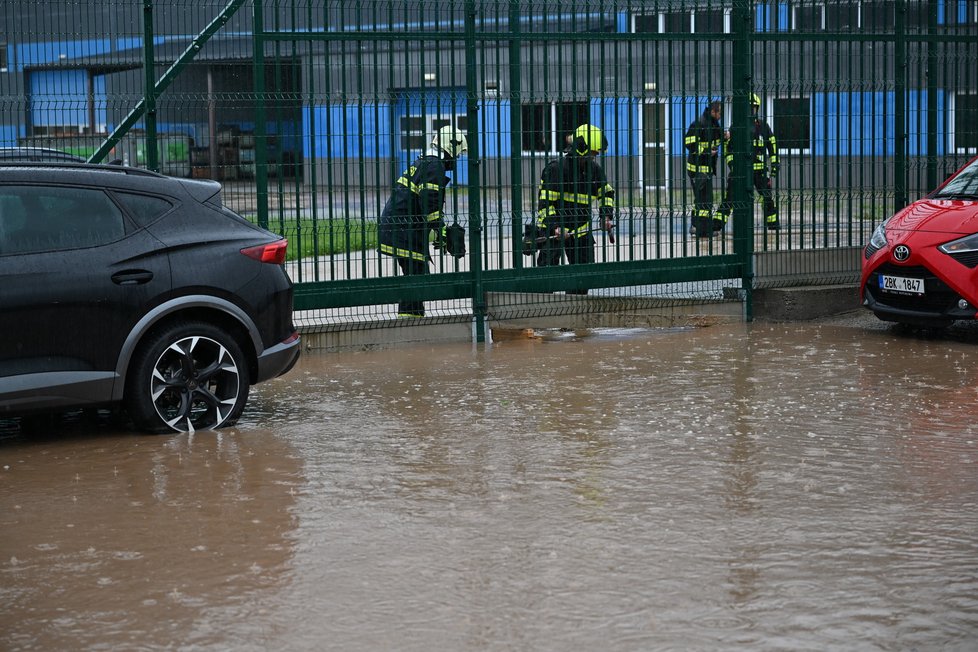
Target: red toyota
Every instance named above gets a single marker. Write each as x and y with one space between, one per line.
921 265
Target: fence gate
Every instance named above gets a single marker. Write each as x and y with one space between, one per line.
308 111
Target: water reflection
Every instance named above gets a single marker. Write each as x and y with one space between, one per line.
125 539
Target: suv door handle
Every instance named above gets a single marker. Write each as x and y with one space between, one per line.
132 277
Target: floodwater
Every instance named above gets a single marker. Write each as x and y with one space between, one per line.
739 487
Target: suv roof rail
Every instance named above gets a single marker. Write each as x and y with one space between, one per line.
108 167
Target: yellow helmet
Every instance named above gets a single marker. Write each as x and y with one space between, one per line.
754 100
588 138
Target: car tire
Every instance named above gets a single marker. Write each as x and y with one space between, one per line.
188 376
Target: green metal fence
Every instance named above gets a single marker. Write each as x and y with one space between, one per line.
308 111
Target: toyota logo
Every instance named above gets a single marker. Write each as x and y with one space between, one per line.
901 252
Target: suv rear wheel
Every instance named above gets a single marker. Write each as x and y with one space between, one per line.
189 376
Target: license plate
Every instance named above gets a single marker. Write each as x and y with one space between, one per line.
901 284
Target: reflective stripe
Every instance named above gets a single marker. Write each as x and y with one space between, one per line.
573 198
404 181
415 188
401 253
705 169
543 214
432 217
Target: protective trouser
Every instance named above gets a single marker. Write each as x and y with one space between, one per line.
762 183
579 248
702 184
411 267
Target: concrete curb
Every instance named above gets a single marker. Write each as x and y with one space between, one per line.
804 303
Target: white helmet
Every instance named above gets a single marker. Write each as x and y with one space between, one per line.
451 141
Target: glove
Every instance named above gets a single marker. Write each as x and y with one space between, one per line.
607 220
454 239
533 239
774 170
440 241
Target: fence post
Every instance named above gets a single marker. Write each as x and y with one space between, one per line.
475 181
261 138
741 136
900 108
516 128
933 62
149 73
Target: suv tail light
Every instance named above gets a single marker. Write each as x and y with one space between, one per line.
273 252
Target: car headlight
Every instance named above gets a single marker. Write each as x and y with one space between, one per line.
963 245
878 240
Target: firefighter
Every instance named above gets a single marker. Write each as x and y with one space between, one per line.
415 208
702 143
569 186
766 166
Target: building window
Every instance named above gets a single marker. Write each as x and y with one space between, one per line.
880 15
869 16
965 123
842 17
877 16
703 21
647 24
3 57
807 18
679 22
792 123
413 134
710 21
546 126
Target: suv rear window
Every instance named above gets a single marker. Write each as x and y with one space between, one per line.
143 208
50 218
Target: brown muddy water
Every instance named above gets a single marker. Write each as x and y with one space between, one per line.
739 487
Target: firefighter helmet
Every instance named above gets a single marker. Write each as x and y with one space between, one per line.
451 141
755 100
588 138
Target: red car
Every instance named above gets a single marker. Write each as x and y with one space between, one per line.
921 265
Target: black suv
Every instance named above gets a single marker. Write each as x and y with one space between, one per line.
123 286
37 155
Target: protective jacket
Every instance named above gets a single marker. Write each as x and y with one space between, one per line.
765 146
568 188
414 209
702 140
